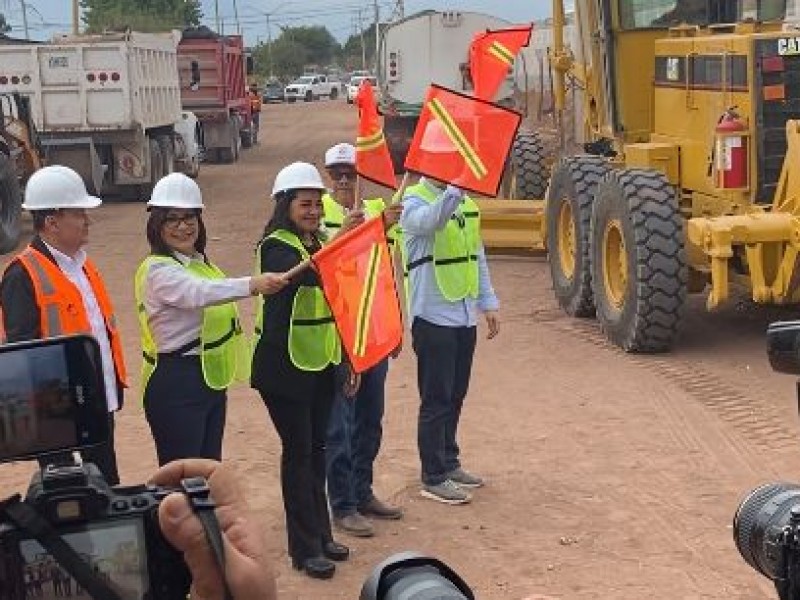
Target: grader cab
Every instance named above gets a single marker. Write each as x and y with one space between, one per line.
689 175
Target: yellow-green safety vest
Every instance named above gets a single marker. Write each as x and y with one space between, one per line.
223 347
334 217
455 248
313 338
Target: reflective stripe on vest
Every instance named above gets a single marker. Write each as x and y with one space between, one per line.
334 217
313 338
223 349
61 307
455 248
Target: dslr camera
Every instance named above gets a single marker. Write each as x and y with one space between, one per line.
73 535
766 526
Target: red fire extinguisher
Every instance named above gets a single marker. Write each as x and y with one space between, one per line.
731 150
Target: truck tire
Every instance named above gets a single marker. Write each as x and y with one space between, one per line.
568 213
309 97
167 149
10 206
248 136
639 273
334 94
230 154
529 166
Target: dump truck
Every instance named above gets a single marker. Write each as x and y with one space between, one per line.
107 106
213 73
20 157
687 177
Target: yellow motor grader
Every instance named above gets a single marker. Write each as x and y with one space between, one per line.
689 175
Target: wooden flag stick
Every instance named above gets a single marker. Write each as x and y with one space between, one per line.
398 195
359 203
298 268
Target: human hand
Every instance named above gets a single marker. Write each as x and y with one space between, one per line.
268 283
352 219
493 321
247 568
391 216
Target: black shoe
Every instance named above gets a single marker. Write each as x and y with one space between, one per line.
335 551
317 567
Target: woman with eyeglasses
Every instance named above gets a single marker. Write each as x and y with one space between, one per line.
192 342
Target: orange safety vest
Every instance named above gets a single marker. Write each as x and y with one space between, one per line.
255 102
61 307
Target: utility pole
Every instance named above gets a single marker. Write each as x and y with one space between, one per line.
269 46
401 9
377 32
25 19
216 14
76 17
363 45
236 16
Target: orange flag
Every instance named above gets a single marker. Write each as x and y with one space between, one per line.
491 56
373 161
358 281
462 140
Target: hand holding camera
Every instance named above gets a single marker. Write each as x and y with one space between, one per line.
247 567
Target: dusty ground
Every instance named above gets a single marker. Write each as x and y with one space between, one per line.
610 476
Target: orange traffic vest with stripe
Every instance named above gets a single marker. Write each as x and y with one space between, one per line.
61 308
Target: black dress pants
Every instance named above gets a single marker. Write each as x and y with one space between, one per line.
444 365
186 417
302 425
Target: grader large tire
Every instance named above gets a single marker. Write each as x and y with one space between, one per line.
10 206
569 210
529 166
639 273
167 148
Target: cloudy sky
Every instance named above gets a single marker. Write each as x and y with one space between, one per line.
46 17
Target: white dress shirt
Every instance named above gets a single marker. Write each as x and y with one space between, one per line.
174 299
73 269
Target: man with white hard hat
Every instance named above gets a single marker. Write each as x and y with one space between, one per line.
52 288
354 431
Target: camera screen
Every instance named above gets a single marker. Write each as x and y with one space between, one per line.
115 552
38 411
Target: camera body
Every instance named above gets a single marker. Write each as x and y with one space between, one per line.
52 403
114 530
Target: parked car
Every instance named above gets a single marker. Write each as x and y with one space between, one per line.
273 92
310 87
355 82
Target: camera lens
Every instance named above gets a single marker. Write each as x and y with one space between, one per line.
420 583
760 522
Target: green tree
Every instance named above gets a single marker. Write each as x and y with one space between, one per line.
141 15
294 49
351 51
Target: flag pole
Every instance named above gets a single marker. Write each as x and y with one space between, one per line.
298 268
398 195
359 203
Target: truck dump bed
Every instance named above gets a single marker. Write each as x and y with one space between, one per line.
96 83
220 59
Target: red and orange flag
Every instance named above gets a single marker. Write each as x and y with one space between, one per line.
373 161
491 56
358 281
462 140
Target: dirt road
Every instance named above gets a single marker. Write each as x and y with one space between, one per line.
609 476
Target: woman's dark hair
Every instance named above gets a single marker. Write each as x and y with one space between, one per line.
280 215
155 225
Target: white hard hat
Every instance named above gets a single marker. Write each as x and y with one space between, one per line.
435 140
176 190
57 187
340 154
298 176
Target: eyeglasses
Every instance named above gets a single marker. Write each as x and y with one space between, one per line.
175 221
340 175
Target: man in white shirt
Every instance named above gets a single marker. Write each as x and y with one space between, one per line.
52 288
